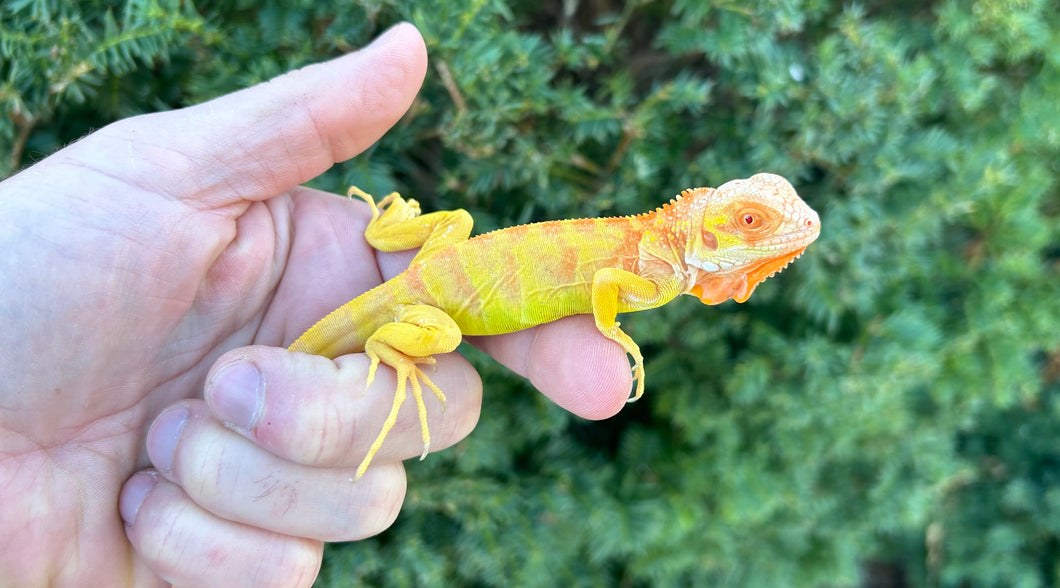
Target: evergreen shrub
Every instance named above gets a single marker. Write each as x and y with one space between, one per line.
888 402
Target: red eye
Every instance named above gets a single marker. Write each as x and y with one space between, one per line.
754 220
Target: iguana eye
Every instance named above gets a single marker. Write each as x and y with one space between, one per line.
754 220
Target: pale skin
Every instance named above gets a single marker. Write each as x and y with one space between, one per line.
150 272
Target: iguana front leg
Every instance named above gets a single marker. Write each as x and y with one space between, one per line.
612 285
397 225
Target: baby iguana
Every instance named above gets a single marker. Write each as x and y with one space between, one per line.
713 244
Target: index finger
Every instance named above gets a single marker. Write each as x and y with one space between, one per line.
570 362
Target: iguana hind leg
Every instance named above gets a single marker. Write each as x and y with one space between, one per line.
416 335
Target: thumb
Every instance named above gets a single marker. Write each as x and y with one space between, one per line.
258 142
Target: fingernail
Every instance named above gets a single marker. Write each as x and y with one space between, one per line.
162 440
236 394
134 493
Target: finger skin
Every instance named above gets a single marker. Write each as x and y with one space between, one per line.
317 412
188 546
286 460
238 481
570 362
252 144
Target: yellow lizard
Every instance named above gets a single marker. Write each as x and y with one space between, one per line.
713 244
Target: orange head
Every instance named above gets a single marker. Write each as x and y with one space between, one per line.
750 230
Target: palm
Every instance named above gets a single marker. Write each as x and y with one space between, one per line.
238 281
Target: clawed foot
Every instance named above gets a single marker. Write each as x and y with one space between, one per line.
638 379
392 208
616 334
407 371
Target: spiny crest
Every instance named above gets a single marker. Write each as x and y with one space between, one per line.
680 201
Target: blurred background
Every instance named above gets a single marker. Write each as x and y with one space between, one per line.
884 413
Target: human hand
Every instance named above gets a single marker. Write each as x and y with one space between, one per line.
162 245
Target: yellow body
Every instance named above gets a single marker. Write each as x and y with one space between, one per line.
714 244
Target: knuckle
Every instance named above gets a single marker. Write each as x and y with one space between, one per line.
188 546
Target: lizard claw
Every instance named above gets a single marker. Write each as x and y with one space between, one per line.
408 373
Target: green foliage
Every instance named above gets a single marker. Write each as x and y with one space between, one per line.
891 397
57 57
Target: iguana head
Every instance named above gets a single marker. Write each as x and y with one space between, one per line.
751 229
